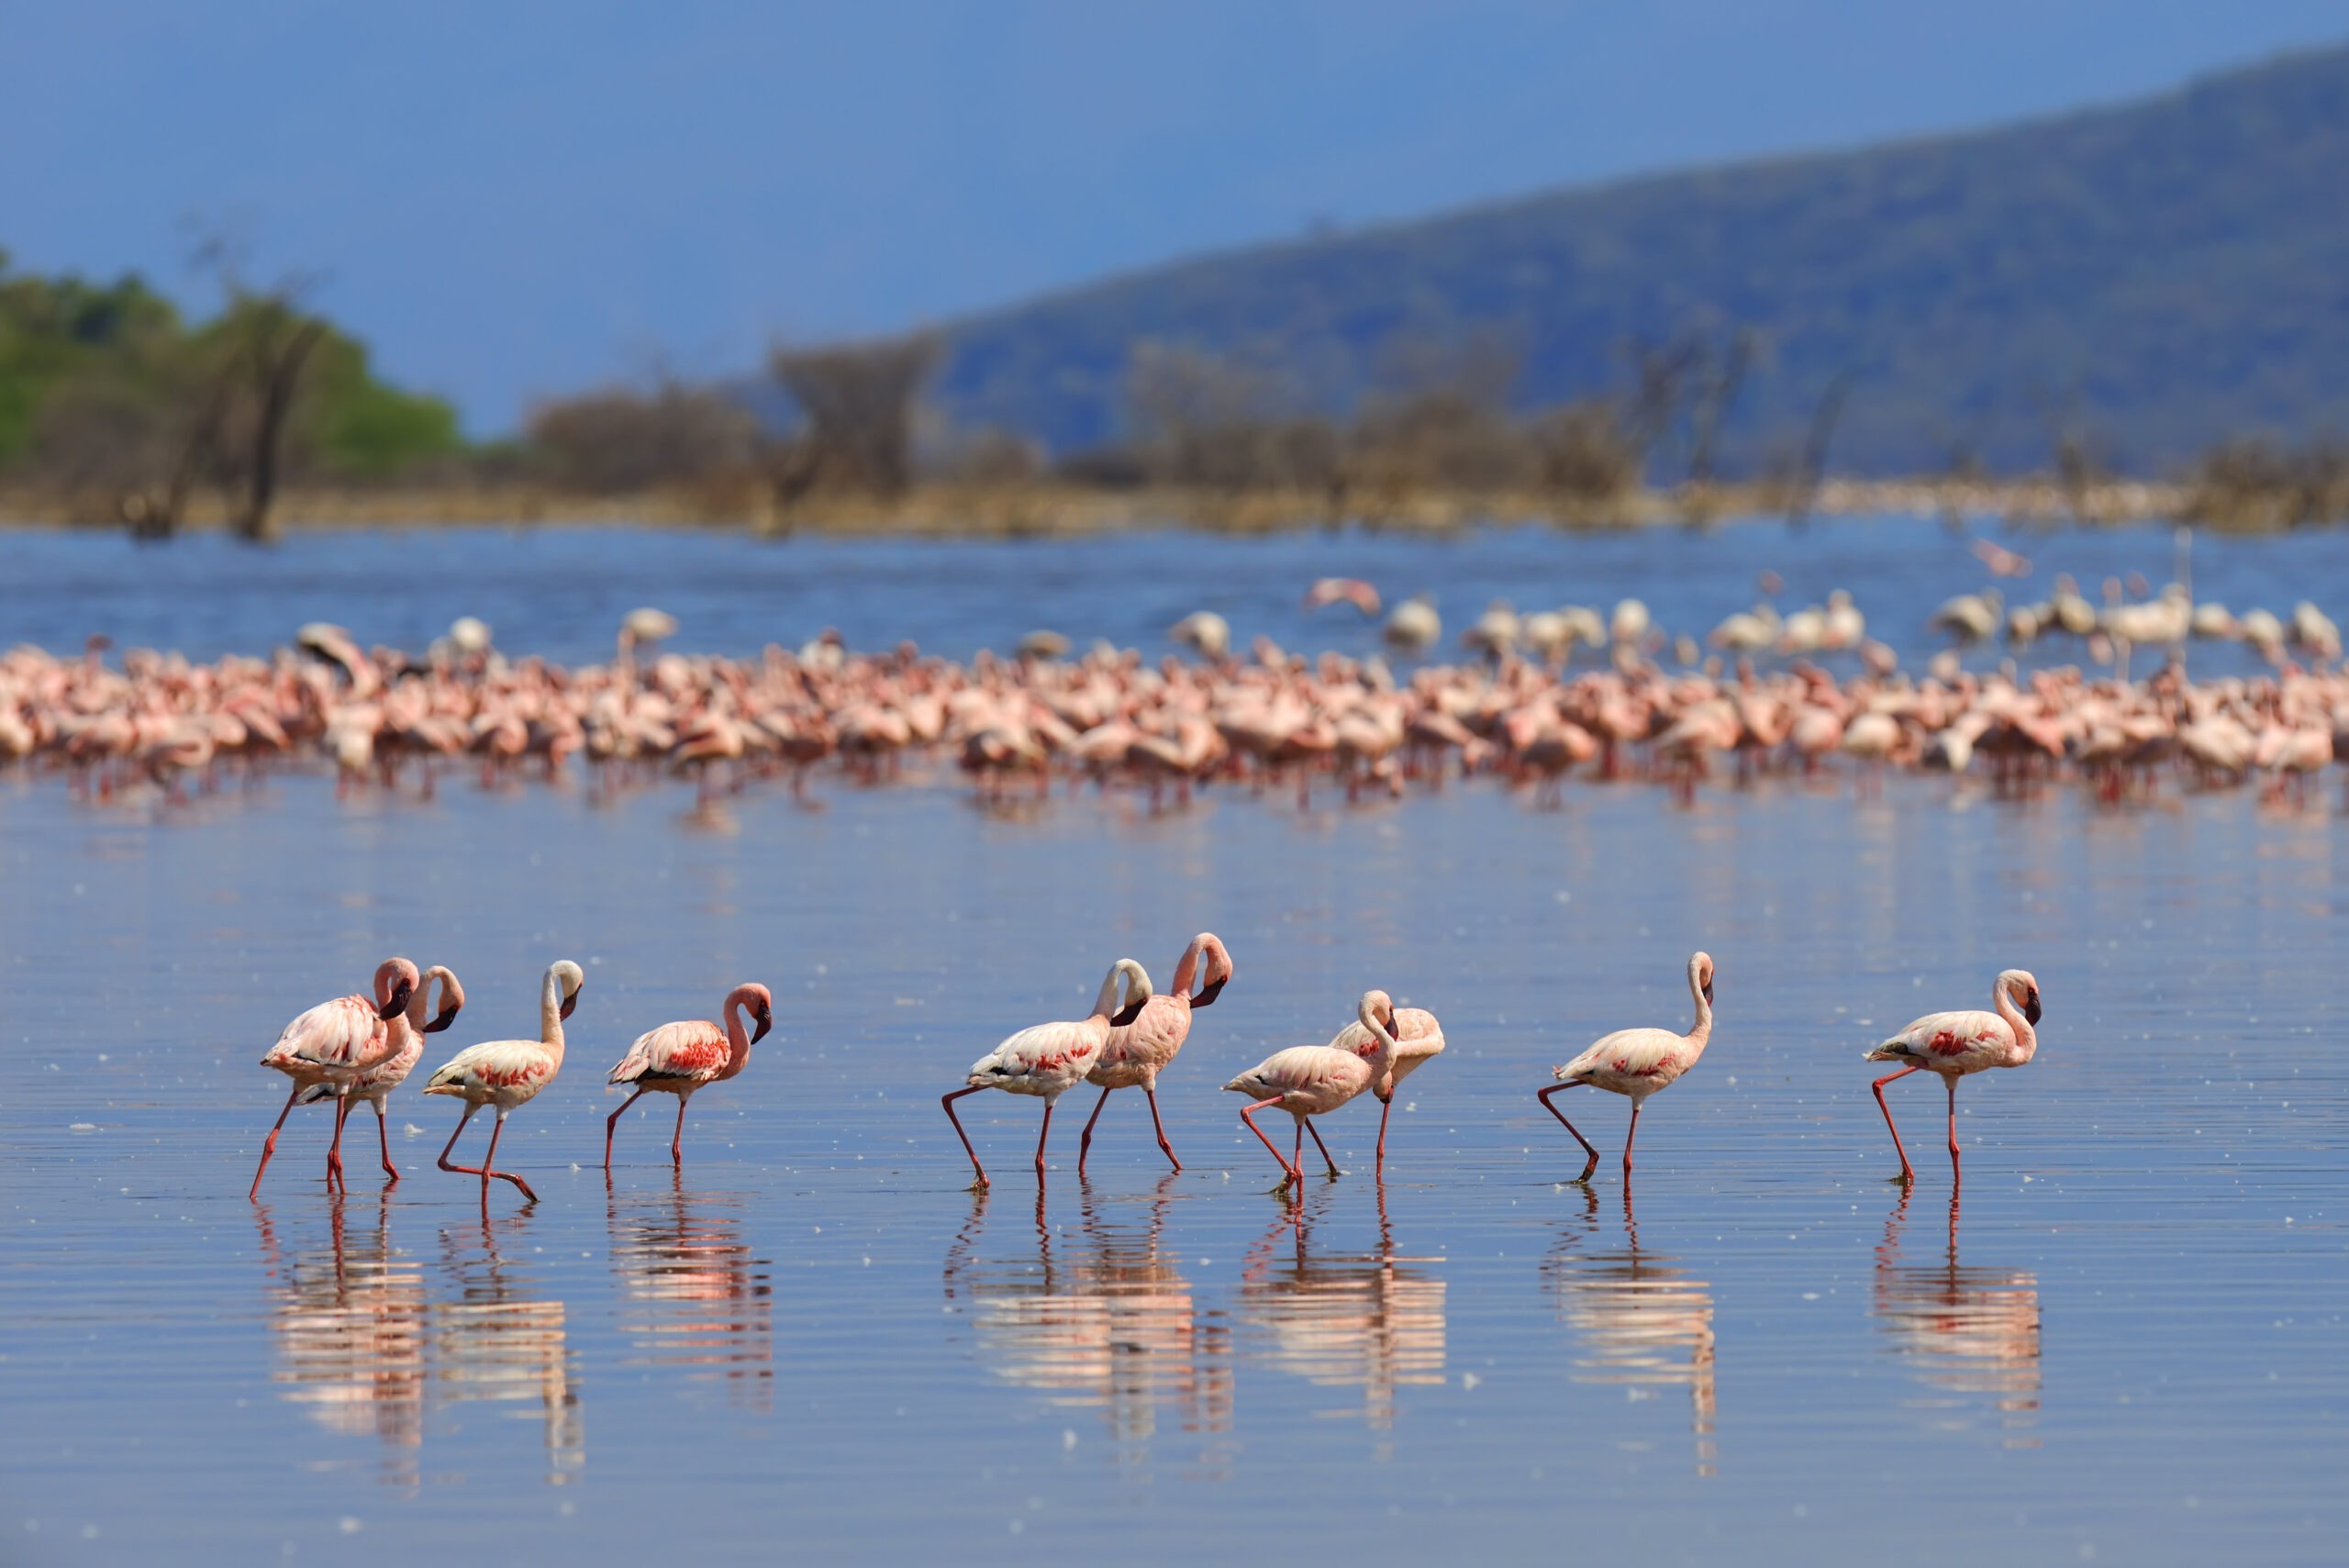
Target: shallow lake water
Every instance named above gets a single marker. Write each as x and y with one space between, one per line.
2125 1343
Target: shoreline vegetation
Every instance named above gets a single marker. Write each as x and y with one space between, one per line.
116 412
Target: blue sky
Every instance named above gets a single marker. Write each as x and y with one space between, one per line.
510 200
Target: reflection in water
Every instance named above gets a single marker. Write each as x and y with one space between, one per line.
364 1344
697 1297
496 1340
1973 1331
1353 1320
349 1324
1103 1319
1644 1323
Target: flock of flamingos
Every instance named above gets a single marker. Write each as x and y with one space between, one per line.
1521 707
361 1048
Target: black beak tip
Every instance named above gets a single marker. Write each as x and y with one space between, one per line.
766 1022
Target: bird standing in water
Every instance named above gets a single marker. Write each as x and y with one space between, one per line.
1637 1062
1957 1043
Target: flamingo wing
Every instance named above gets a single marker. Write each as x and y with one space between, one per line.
695 1050
1947 1040
1629 1059
1043 1053
336 1035
499 1064
1151 1039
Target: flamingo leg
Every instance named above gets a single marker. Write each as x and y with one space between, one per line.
948 1101
1249 1116
1545 1097
1907 1173
1385 1109
489 1165
443 1161
1041 1134
1334 1172
1951 1079
384 1136
1085 1143
677 1143
1631 1135
271 1147
612 1122
1151 1094
334 1150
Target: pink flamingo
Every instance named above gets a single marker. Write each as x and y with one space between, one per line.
1135 1054
679 1057
1957 1043
374 1084
507 1073
330 1045
1314 1080
1419 1040
1049 1060
1637 1062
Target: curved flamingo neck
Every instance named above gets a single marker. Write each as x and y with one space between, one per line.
1188 966
738 1038
551 1013
1702 1030
2026 1038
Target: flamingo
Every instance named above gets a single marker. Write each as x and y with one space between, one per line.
329 1045
507 1073
1957 1043
1419 1040
1049 1060
1314 1080
374 1084
1637 1063
679 1057
1135 1054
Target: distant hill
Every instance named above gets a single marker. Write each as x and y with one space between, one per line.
2148 278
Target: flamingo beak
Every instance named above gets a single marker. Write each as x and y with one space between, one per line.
1127 1015
397 1004
2030 1007
447 1016
569 1002
766 1022
1208 994
1709 993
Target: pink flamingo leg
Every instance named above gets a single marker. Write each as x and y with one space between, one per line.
489 1165
1385 1109
446 1147
677 1143
1907 1173
1041 1134
1157 1126
1249 1116
612 1122
1951 1079
1545 1097
384 1136
334 1150
271 1147
1085 1141
1334 1172
948 1101
1631 1135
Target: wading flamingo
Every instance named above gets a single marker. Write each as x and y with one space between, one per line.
375 1084
330 1045
1968 1040
1049 1060
1314 1080
1637 1062
677 1058
506 1072
1419 1038
1136 1053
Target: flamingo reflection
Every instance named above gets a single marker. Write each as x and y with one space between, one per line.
1367 1320
1970 1330
349 1319
1101 1320
698 1296
1645 1324
496 1338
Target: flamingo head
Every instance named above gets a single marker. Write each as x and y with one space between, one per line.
572 980
2022 988
1219 970
1135 980
395 981
452 998
1700 975
761 1001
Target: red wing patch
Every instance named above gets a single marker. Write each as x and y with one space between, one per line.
1947 1044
